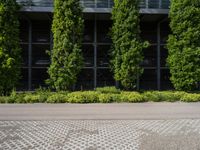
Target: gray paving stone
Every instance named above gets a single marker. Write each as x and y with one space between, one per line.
100 135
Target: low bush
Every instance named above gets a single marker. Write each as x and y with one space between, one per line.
106 90
160 96
57 98
3 99
132 97
83 97
16 97
105 98
151 96
190 97
31 98
43 94
101 95
116 98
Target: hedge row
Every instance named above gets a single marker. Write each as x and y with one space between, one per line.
100 95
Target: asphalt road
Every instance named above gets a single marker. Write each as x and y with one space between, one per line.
100 111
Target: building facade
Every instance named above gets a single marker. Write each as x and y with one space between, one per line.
36 39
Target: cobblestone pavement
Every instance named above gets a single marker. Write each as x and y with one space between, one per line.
100 135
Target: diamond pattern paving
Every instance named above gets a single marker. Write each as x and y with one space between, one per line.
100 135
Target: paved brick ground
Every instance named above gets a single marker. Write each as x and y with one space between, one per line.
100 135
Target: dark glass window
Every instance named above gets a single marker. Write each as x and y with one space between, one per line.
163 56
153 3
88 54
165 4
88 3
103 55
24 29
41 32
85 80
148 80
103 28
165 80
142 3
150 57
88 31
105 78
149 32
23 82
164 32
38 77
102 4
39 56
24 48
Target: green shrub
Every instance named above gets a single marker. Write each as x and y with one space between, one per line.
106 90
190 97
83 97
57 98
179 94
132 97
32 98
66 55
127 45
183 44
16 97
10 51
43 94
105 98
3 99
159 96
116 98
151 96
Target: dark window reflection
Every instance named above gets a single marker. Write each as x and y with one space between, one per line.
38 78
102 4
41 32
88 54
103 55
150 57
148 81
165 4
39 56
105 78
149 32
103 28
88 31
163 56
24 48
23 82
85 80
24 28
164 32
153 3
165 80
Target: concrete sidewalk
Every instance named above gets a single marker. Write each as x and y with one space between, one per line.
142 111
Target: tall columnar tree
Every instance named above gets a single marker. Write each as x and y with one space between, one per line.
66 55
9 46
127 46
184 44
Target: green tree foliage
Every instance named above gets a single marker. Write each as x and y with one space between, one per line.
9 46
184 44
127 45
66 55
